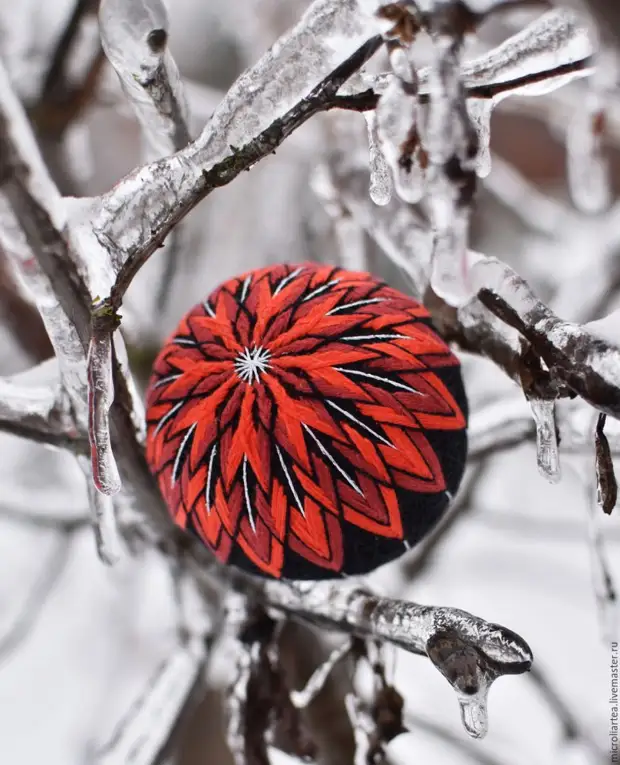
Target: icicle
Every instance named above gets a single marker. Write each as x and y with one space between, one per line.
313 687
100 398
380 181
103 518
547 452
474 715
459 664
553 40
451 143
588 169
397 114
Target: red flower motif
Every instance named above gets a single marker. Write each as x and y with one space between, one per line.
298 419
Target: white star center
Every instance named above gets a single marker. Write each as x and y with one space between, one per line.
252 361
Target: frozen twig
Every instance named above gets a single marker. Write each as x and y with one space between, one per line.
606 484
135 40
64 94
251 696
143 733
146 727
451 143
593 373
35 214
139 212
376 718
128 259
31 406
317 680
468 651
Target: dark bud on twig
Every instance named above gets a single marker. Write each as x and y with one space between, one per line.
607 486
157 39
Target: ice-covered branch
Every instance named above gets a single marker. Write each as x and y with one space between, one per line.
72 75
583 362
32 407
33 216
30 213
322 98
147 725
136 216
468 651
142 734
135 40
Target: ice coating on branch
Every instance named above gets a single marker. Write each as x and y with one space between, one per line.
450 264
547 451
62 333
301 699
100 398
397 115
469 652
587 169
125 29
329 32
146 728
134 36
39 182
554 39
380 180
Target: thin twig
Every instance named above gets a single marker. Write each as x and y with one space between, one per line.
322 98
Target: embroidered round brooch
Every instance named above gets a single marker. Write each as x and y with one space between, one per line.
307 422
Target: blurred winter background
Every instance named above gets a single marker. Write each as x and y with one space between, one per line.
79 641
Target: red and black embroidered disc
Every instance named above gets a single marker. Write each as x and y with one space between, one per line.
307 422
